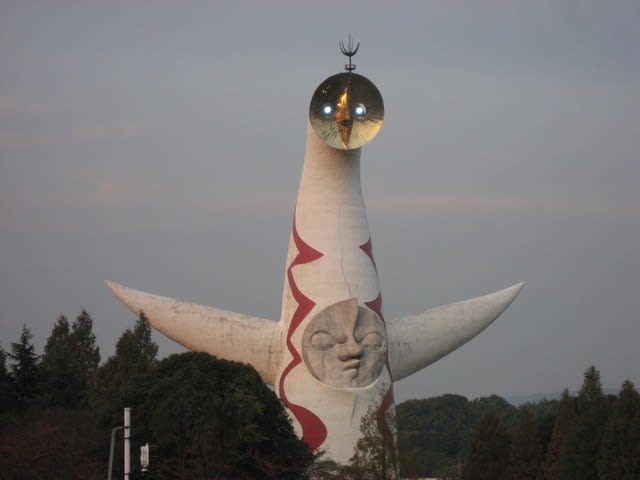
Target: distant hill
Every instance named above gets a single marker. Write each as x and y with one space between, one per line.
518 400
434 434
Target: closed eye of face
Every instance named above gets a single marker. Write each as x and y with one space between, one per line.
322 341
373 341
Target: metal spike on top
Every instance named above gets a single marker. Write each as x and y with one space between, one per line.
349 51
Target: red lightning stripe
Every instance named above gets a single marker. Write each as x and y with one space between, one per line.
387 401
314 432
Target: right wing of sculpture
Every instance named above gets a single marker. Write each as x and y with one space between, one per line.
419 340
225 334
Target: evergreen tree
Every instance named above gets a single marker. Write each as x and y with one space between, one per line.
59 386
489 453
564 421
24 368
526 453
86 354
120 382
579 452
70 361
620 449
7 391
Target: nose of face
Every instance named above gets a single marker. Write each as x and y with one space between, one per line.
349 351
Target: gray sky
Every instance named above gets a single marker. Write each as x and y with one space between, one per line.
159 144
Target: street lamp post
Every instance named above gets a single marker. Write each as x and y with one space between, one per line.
113 440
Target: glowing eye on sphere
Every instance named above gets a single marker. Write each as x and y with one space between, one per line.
346 111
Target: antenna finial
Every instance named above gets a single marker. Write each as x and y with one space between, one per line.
349 51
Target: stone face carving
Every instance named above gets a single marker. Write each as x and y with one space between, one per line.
345 345
332 358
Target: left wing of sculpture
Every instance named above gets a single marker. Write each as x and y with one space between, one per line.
419 340
224 334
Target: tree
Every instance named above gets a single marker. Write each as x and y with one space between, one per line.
435 433
7 390
525 453
620 449
69 362
59 386
375 455
579 452
498 406
120 382
86 354
24 369
216 419
53 443
489 453
564 421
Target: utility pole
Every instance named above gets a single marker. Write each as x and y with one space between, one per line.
113 441
127 446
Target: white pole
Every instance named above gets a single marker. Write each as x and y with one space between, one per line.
127 446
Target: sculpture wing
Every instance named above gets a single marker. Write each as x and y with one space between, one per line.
419 340
225 334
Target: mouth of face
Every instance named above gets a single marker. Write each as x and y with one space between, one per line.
352 365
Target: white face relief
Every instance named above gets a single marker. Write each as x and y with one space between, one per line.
345 345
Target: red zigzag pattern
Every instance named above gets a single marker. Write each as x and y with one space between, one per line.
314 432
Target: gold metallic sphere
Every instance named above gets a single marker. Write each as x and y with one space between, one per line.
346 111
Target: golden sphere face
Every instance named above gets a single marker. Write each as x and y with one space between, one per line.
346 111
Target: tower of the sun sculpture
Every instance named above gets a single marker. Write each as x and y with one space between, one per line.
332 358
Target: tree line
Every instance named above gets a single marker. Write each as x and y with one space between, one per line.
590 436
204 418
211 419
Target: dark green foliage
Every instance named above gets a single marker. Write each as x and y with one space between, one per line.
120 382
579 451
8 395
86 354
620 449
498 406
375 456
544 415
489 452
525 454
55 368
434 434
24 368
216 419
69 363
564 421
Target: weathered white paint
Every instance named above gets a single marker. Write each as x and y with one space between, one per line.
417 341
331 218
218 332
